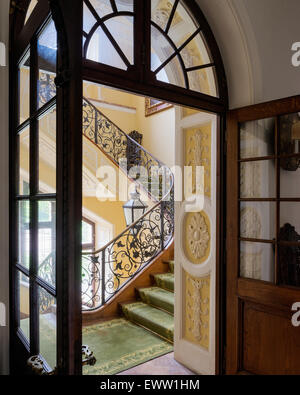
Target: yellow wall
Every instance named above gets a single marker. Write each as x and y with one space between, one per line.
158 130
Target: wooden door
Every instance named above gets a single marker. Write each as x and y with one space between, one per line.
263 234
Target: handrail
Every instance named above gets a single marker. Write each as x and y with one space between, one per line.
125 134
136 246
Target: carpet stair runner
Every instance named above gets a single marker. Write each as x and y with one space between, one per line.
155 308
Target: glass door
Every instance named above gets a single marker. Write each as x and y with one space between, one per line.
35 198
263 238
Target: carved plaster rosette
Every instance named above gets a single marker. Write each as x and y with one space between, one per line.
197 237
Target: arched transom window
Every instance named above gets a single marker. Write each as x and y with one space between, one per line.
176 47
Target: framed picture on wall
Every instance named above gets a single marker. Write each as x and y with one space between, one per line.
153 106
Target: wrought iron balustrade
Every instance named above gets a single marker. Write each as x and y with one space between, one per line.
106 271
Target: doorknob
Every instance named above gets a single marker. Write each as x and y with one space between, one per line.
37 365
88 357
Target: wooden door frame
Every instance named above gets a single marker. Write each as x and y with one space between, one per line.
67 16
234 285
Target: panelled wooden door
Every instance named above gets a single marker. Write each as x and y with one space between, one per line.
263 235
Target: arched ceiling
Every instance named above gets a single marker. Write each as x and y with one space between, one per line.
255 39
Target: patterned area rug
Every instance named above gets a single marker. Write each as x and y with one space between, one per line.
119 345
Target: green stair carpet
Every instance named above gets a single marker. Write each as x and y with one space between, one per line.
158 297
155 320
156 309
171 266
165 281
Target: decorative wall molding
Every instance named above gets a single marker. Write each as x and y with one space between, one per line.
198 153
197 310
197 237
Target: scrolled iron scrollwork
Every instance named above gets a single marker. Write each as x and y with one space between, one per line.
106 271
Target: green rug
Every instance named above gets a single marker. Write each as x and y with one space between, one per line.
47 337
118 345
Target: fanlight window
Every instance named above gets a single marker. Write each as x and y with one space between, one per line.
179 52
108 32
30 9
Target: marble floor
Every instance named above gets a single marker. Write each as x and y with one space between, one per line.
165 365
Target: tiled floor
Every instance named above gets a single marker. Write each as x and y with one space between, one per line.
165 365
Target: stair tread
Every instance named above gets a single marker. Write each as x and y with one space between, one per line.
158 297
151 318
165 280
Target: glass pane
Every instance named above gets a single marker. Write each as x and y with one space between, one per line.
47 241
23 233
258 220
257 138
290 179
88 19
121 28
161 48
24 89
203 81
47 152
160 12
257 261
172 73
102 7
101 50
24 161
30 9
47 52
24 312
195 52
289 221
258 179
47 321
289 132
182 26
289 265
124 5
87 233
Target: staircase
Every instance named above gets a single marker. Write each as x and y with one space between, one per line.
133 275
109 271
154 308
